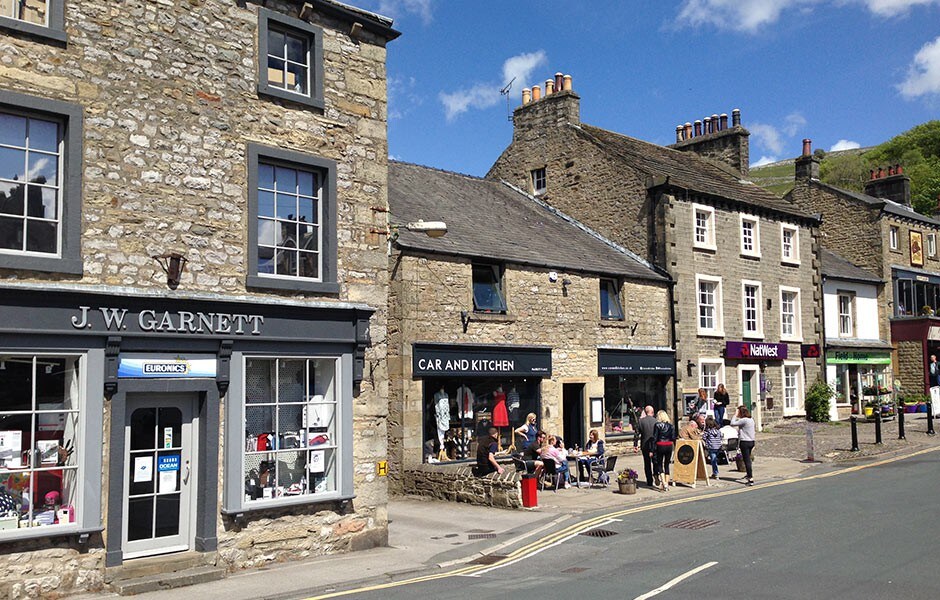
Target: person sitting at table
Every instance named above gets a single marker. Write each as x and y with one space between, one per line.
552 451
533 456
592 454
487 447
691 430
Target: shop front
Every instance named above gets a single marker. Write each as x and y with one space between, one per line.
633 379
861 378
466 389
149 379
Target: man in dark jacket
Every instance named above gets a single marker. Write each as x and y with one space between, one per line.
644 438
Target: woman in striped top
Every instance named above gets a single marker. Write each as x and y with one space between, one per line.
711 438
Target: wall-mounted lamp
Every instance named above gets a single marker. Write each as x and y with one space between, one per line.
689 366
465 320
173 265
432 229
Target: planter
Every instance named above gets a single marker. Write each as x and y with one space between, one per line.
739 463
921 408
869 410
910 408
628 486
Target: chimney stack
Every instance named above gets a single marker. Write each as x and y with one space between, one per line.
807 165
892 184
710 137
559 105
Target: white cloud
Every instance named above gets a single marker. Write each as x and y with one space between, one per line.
396 8
483 95
891 8
766 136
764 160
923 77
738 15
844 145
793 123
402 96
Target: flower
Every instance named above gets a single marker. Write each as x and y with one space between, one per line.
627 475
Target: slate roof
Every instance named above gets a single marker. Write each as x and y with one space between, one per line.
888 206
836 267
688 170
492 220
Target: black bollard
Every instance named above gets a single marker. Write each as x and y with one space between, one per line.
854 421
878 426
901 423
930 430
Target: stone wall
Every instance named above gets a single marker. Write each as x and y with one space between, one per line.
457 483
909 366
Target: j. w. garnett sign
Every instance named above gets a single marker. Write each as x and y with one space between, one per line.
181 321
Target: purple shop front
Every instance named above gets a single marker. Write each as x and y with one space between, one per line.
755 351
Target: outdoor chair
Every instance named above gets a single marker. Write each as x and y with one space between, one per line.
730 448
550 469
601 470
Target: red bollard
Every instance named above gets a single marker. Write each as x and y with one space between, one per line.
530 491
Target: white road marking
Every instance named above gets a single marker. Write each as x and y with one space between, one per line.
673 582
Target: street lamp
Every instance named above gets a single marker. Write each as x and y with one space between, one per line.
432 229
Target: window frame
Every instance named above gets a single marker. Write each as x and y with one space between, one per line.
758 332
535 175
719 374
53 30
755 252
894 238
850 295
797 335
314 35
794 258
718 329
800 408
69 116
931 245
614 285
709 242
326 168
500 281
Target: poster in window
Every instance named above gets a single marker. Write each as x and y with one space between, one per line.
917 249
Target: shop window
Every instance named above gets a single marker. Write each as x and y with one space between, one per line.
40 442
703 227
625 396
789 244
751 300
39 18
750 236
488 289
904 298
790 327
893 235
292 424
709 305
932 245
40 185
846 314
290 59
792 388
611 309
292 239
538 181
458 411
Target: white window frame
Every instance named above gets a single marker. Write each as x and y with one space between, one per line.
794 257
708 239
718 317
799 408
931 245
53 29
754 251
719 374
894 235
537 177
758 332
797 335
848 316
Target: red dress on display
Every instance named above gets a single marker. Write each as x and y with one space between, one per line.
500 414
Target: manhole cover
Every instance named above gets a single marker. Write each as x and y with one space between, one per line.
488 559
575 570
481 536
691 524
599 533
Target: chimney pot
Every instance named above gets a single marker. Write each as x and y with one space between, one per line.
807 147
559 81
698 128
881 172
723 122
890 170
566 83
688 130
736 117
526 96
536 93
871 174
549 87
679 131
708 124
898 170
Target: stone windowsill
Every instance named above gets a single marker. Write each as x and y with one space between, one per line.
493 317
616 324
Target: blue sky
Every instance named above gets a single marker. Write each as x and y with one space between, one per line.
842 72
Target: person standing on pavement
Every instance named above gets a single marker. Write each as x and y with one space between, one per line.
711 438
664 438
746 434
934 371
721 401
644 438
527 430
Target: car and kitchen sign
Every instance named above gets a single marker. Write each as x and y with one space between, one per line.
446 359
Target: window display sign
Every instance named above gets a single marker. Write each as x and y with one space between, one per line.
480 361
612 361
163 368
845 357
755 351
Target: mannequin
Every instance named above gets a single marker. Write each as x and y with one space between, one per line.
465 401
442 416
512 403
500 415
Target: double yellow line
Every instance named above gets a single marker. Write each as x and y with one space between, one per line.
582 526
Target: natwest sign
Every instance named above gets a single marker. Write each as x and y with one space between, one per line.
755 350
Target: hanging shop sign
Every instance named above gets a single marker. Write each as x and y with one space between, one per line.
845 357
611 361
435 360
810 350
166 367
755 350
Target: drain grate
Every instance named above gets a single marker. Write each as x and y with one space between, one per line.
481 536
488 559
575 570
691 524
599 533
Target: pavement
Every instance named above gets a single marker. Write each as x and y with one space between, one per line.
427 536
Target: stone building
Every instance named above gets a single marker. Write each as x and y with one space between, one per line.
858 361
747 291
518 309
881 232
190 282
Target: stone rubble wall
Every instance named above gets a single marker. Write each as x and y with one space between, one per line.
457 483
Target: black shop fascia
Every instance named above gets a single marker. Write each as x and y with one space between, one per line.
466 389
633 378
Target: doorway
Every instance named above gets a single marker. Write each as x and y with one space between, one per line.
572 407
749 386
160 470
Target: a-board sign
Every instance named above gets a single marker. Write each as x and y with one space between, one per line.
689 465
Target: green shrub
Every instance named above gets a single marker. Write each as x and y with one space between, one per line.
817 402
